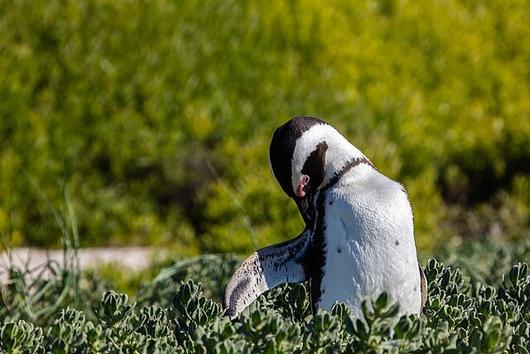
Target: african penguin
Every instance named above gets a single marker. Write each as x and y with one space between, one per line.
359 235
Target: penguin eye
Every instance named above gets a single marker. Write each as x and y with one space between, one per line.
302 186
307 183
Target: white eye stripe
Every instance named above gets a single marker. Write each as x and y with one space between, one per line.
339 151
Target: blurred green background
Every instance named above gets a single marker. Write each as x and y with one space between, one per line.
151 120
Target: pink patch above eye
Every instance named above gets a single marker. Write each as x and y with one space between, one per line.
304 180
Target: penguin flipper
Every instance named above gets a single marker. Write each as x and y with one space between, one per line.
286 262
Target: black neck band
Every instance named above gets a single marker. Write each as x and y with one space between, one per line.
349 165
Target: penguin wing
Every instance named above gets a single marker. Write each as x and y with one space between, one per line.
286 262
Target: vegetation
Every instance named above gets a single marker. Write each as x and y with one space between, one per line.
148 122
155 117
484 311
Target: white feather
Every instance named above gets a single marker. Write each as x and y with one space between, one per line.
339 152
369 242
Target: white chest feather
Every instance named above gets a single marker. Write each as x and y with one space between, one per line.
369 243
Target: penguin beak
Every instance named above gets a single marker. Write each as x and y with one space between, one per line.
304 206
303 199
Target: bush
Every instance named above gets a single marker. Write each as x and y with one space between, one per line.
171 314
155 117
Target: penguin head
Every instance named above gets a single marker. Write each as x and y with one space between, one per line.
305 153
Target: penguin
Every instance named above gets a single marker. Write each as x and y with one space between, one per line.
358 239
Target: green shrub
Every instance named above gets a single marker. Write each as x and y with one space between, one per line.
171 314
458 317
156 116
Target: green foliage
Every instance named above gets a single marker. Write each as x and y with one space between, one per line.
156 116
150 121
173 315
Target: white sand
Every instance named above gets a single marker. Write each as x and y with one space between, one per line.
132 258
